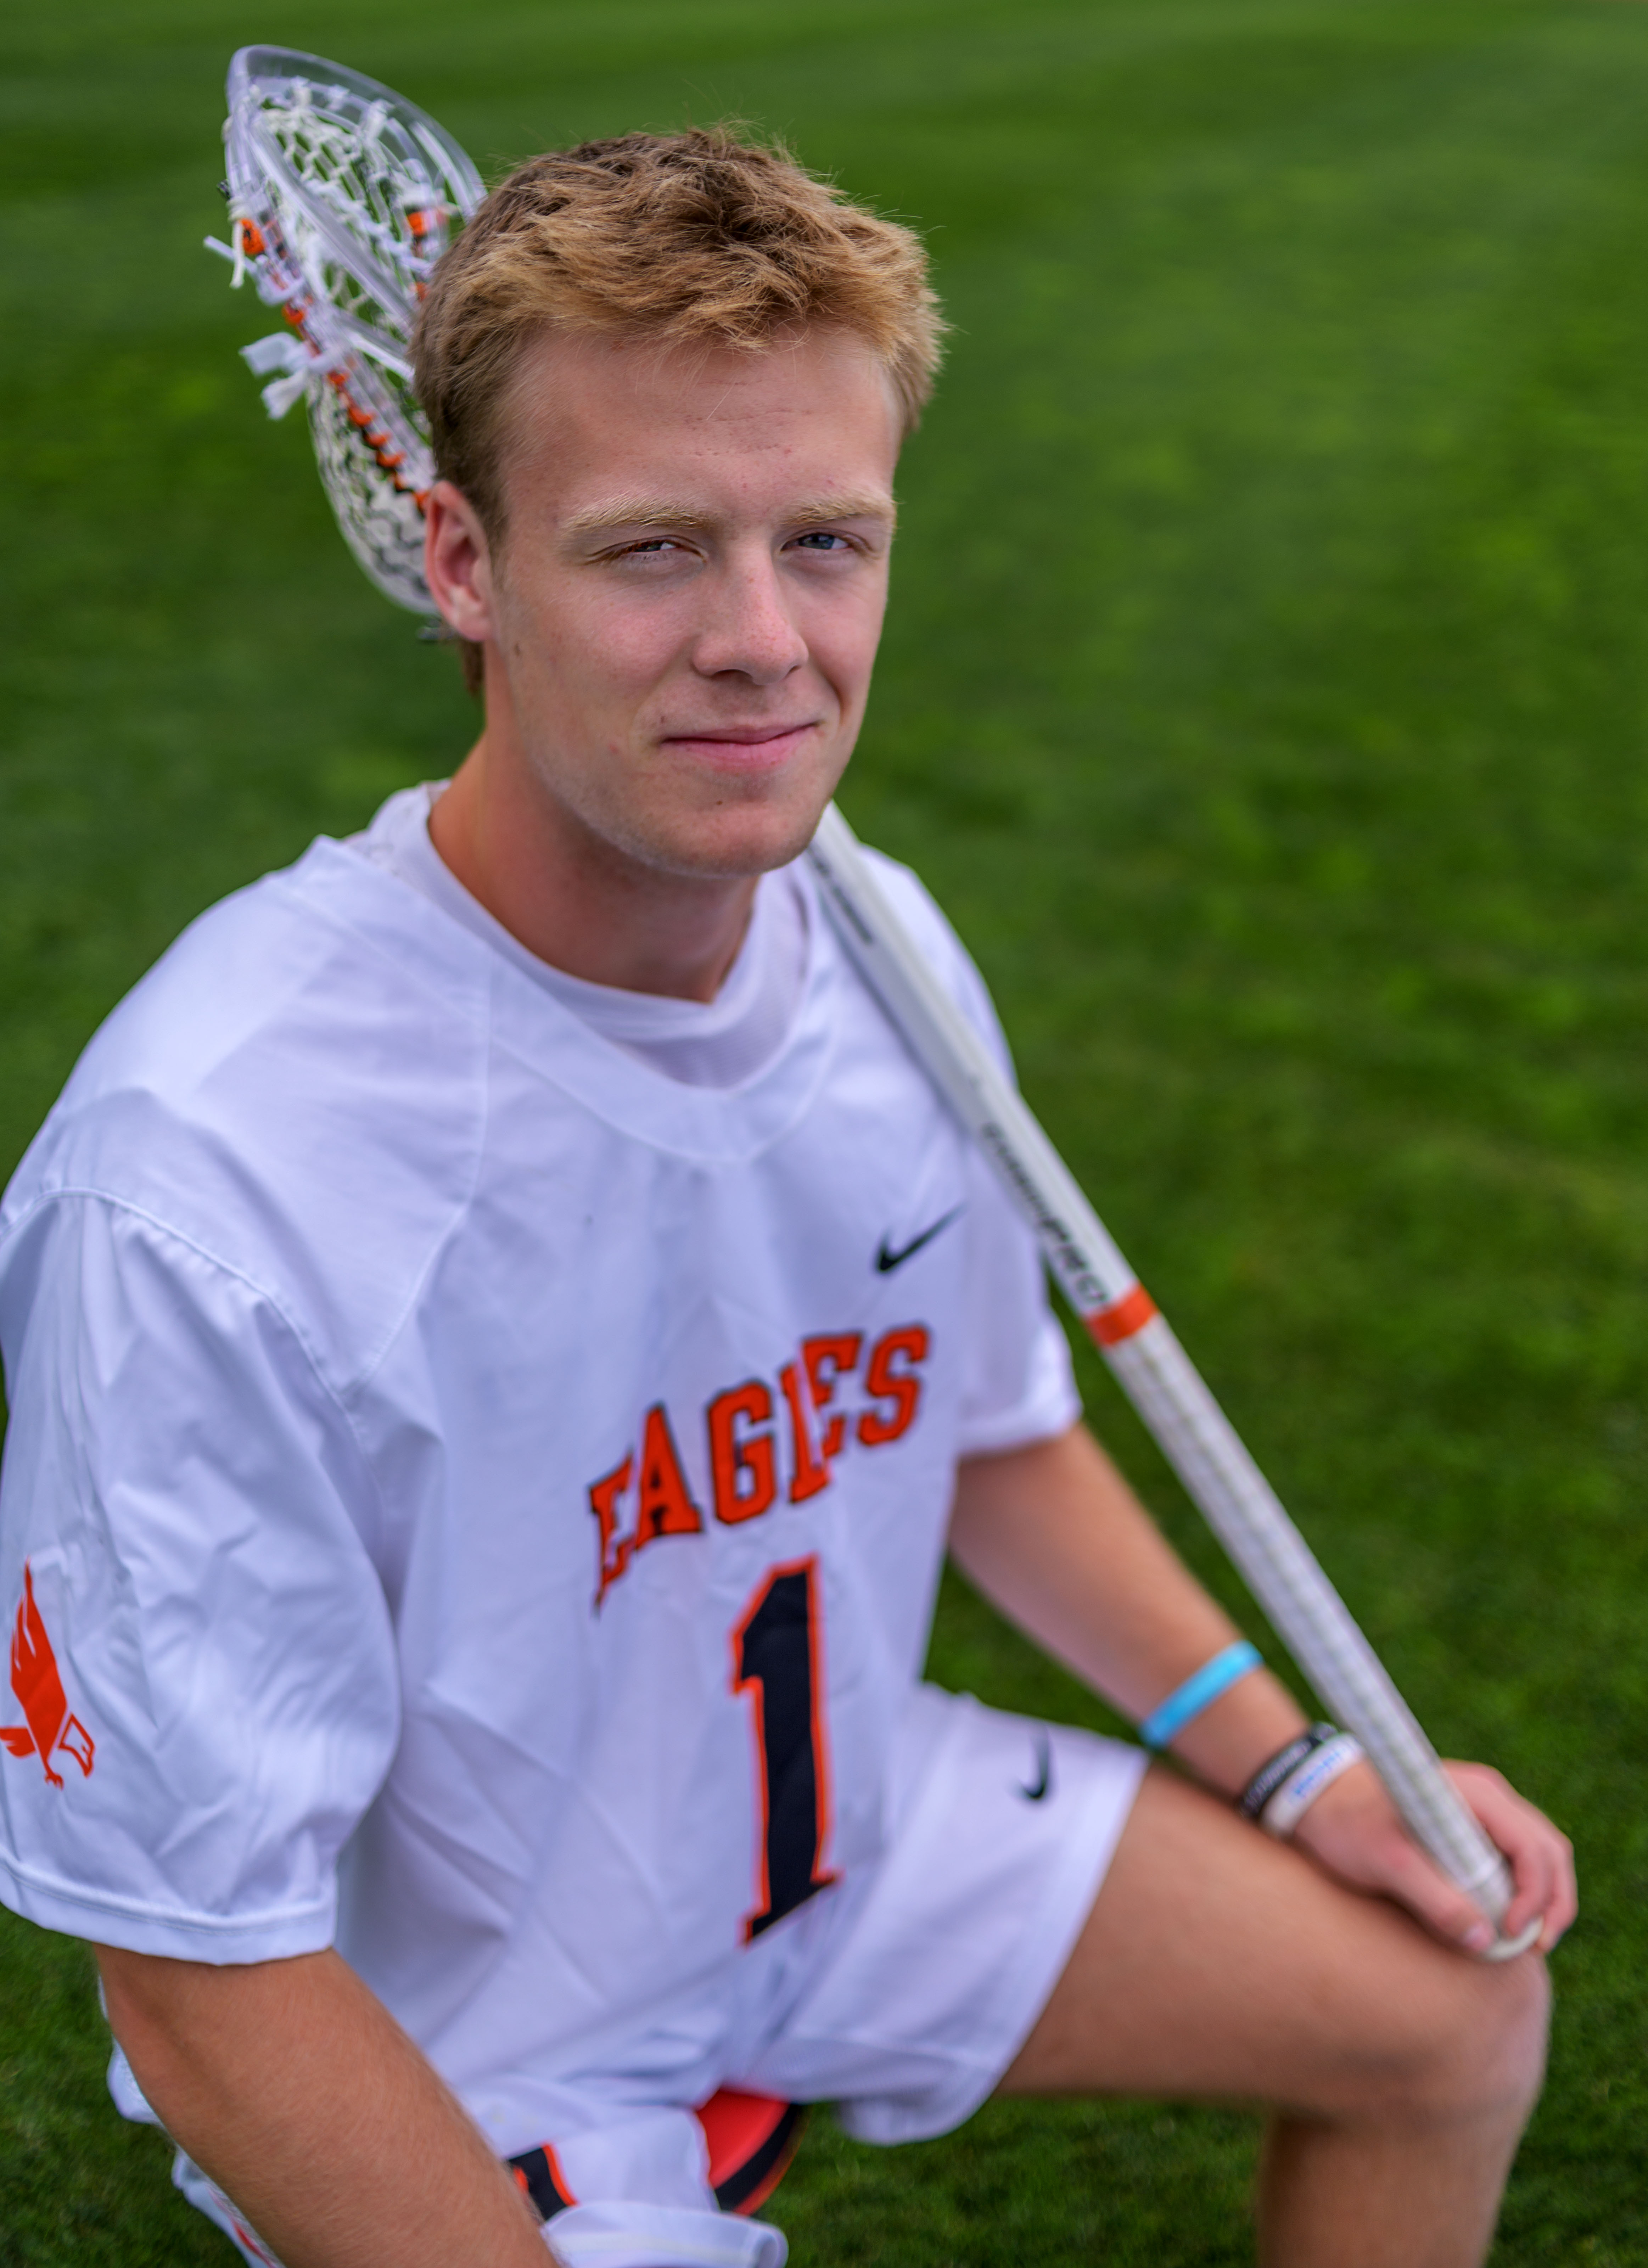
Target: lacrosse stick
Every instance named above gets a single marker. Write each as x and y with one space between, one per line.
343 196
1160 1380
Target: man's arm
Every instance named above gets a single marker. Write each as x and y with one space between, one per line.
1054 1536
297 2091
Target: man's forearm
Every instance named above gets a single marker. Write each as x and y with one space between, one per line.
1055 1537
293 2087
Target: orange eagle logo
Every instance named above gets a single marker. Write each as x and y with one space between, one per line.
38 1684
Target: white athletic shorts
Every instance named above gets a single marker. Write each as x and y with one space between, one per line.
902 1996
924 1977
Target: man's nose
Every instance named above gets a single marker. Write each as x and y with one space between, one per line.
750 630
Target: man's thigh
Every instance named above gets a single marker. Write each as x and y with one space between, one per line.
1218 1963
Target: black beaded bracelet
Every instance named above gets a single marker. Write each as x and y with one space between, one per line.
1271 1774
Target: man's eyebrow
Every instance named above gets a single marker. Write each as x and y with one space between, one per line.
846 503
665 512
634 512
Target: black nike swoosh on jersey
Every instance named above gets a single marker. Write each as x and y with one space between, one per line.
888 1260
1044 1778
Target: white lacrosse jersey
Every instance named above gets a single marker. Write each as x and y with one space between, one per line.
471 1498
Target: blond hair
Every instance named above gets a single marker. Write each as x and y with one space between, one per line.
697 238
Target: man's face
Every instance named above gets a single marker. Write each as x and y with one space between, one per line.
689 593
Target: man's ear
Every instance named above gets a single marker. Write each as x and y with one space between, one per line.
457 562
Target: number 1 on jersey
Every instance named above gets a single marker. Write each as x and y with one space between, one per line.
775 1661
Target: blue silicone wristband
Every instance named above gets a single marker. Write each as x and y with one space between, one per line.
1198 1692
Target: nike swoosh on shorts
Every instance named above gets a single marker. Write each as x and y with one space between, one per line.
1044 1776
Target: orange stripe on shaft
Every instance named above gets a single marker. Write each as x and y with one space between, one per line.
1109 1326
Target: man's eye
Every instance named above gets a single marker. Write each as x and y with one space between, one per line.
822 540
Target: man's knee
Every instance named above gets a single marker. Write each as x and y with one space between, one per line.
1471 2048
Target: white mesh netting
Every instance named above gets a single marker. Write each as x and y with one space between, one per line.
343 196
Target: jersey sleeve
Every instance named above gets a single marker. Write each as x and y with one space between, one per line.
1019 1386
203 1690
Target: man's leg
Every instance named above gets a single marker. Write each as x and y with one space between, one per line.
1217 1964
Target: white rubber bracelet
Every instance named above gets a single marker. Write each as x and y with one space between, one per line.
1318 1773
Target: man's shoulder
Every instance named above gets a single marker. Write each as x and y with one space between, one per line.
299 1080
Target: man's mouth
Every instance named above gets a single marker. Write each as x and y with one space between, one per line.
743 752
740 736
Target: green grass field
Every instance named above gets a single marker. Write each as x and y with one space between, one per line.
1265 696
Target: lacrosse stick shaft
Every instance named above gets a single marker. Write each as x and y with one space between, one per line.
1158 1376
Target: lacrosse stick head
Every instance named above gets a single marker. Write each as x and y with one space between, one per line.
343 195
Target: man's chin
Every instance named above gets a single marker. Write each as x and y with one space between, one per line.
741 855
731 844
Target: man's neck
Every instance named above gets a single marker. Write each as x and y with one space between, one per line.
572 899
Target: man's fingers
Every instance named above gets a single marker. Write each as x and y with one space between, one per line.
1539 1854
1353 1831
1442 1906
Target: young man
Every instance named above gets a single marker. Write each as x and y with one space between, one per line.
499 1335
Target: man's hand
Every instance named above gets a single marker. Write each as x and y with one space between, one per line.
1053 1535
297 2092
1353 1831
